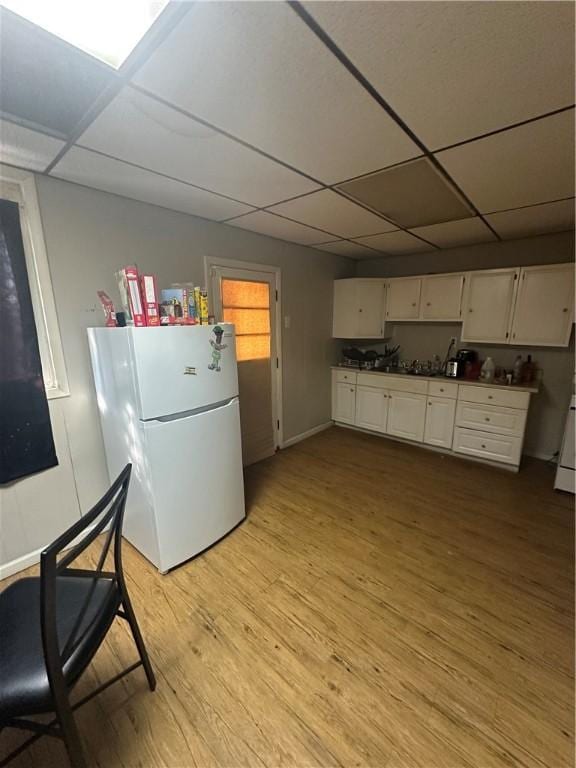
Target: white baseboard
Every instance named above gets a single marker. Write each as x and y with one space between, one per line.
542 456
32 558
20 564
305 435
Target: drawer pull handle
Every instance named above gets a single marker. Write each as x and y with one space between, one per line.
487 418
441 389
427 304
565 309
490 397
351 390
429 403
483 446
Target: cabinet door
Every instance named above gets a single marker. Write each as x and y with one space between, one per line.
370 305
344 309
544 309
406 415
403 298
371 408
343 402
439 421
488 301
441 297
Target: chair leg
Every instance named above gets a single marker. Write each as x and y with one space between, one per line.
130 615
70 734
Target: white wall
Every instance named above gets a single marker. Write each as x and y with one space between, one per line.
89 235
423 340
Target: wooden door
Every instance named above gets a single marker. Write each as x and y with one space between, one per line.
247 299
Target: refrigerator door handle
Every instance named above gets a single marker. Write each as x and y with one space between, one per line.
193 412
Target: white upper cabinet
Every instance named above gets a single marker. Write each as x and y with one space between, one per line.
441 297
358 309
544 310
488 303
403 298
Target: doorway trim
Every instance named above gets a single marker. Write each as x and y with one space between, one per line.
213 262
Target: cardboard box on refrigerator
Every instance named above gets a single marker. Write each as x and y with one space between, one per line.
150 299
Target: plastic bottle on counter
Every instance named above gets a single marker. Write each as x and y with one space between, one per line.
487 371
517 370
528 371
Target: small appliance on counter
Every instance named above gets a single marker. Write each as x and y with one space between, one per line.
456 366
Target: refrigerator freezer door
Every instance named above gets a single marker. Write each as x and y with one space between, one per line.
183 368
195 465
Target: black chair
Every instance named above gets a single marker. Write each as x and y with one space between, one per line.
51 627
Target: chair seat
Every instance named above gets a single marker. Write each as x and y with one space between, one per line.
24 687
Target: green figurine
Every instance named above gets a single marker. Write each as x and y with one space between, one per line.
217 346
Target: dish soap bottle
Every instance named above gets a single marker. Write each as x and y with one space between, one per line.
517 370
487 371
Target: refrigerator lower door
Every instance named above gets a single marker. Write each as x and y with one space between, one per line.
195 465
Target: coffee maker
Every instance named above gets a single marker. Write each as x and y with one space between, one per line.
456 366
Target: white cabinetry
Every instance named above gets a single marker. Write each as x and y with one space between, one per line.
544 310
441 297
403 298
406 415
439 421
488 303
344 396
371 408
358 309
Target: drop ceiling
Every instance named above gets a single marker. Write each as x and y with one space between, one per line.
363 129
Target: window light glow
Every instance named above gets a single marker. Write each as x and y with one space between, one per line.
106 29
246 303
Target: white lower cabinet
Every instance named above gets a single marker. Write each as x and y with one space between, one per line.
371 408
344 402
440 421
490 447
485 423
406 415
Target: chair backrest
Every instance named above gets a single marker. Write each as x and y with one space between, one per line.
56 560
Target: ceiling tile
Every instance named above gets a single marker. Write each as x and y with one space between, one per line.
256 70
333 213
85 167
139 129
44 80
454 70
526 165
351 250
275 226
395 243
450 234
535 220
25 148
411 194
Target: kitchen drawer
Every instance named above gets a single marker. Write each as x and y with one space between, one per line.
345 377
443 389
494 396
483 445
491 418
398 383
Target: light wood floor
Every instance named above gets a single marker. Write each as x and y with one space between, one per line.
382 606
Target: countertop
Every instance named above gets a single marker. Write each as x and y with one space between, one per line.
512 387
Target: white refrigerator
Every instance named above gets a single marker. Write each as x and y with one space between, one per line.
168 401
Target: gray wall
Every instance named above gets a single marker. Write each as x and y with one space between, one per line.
545 249
90 234
423 340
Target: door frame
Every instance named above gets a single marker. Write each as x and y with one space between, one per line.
213 262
